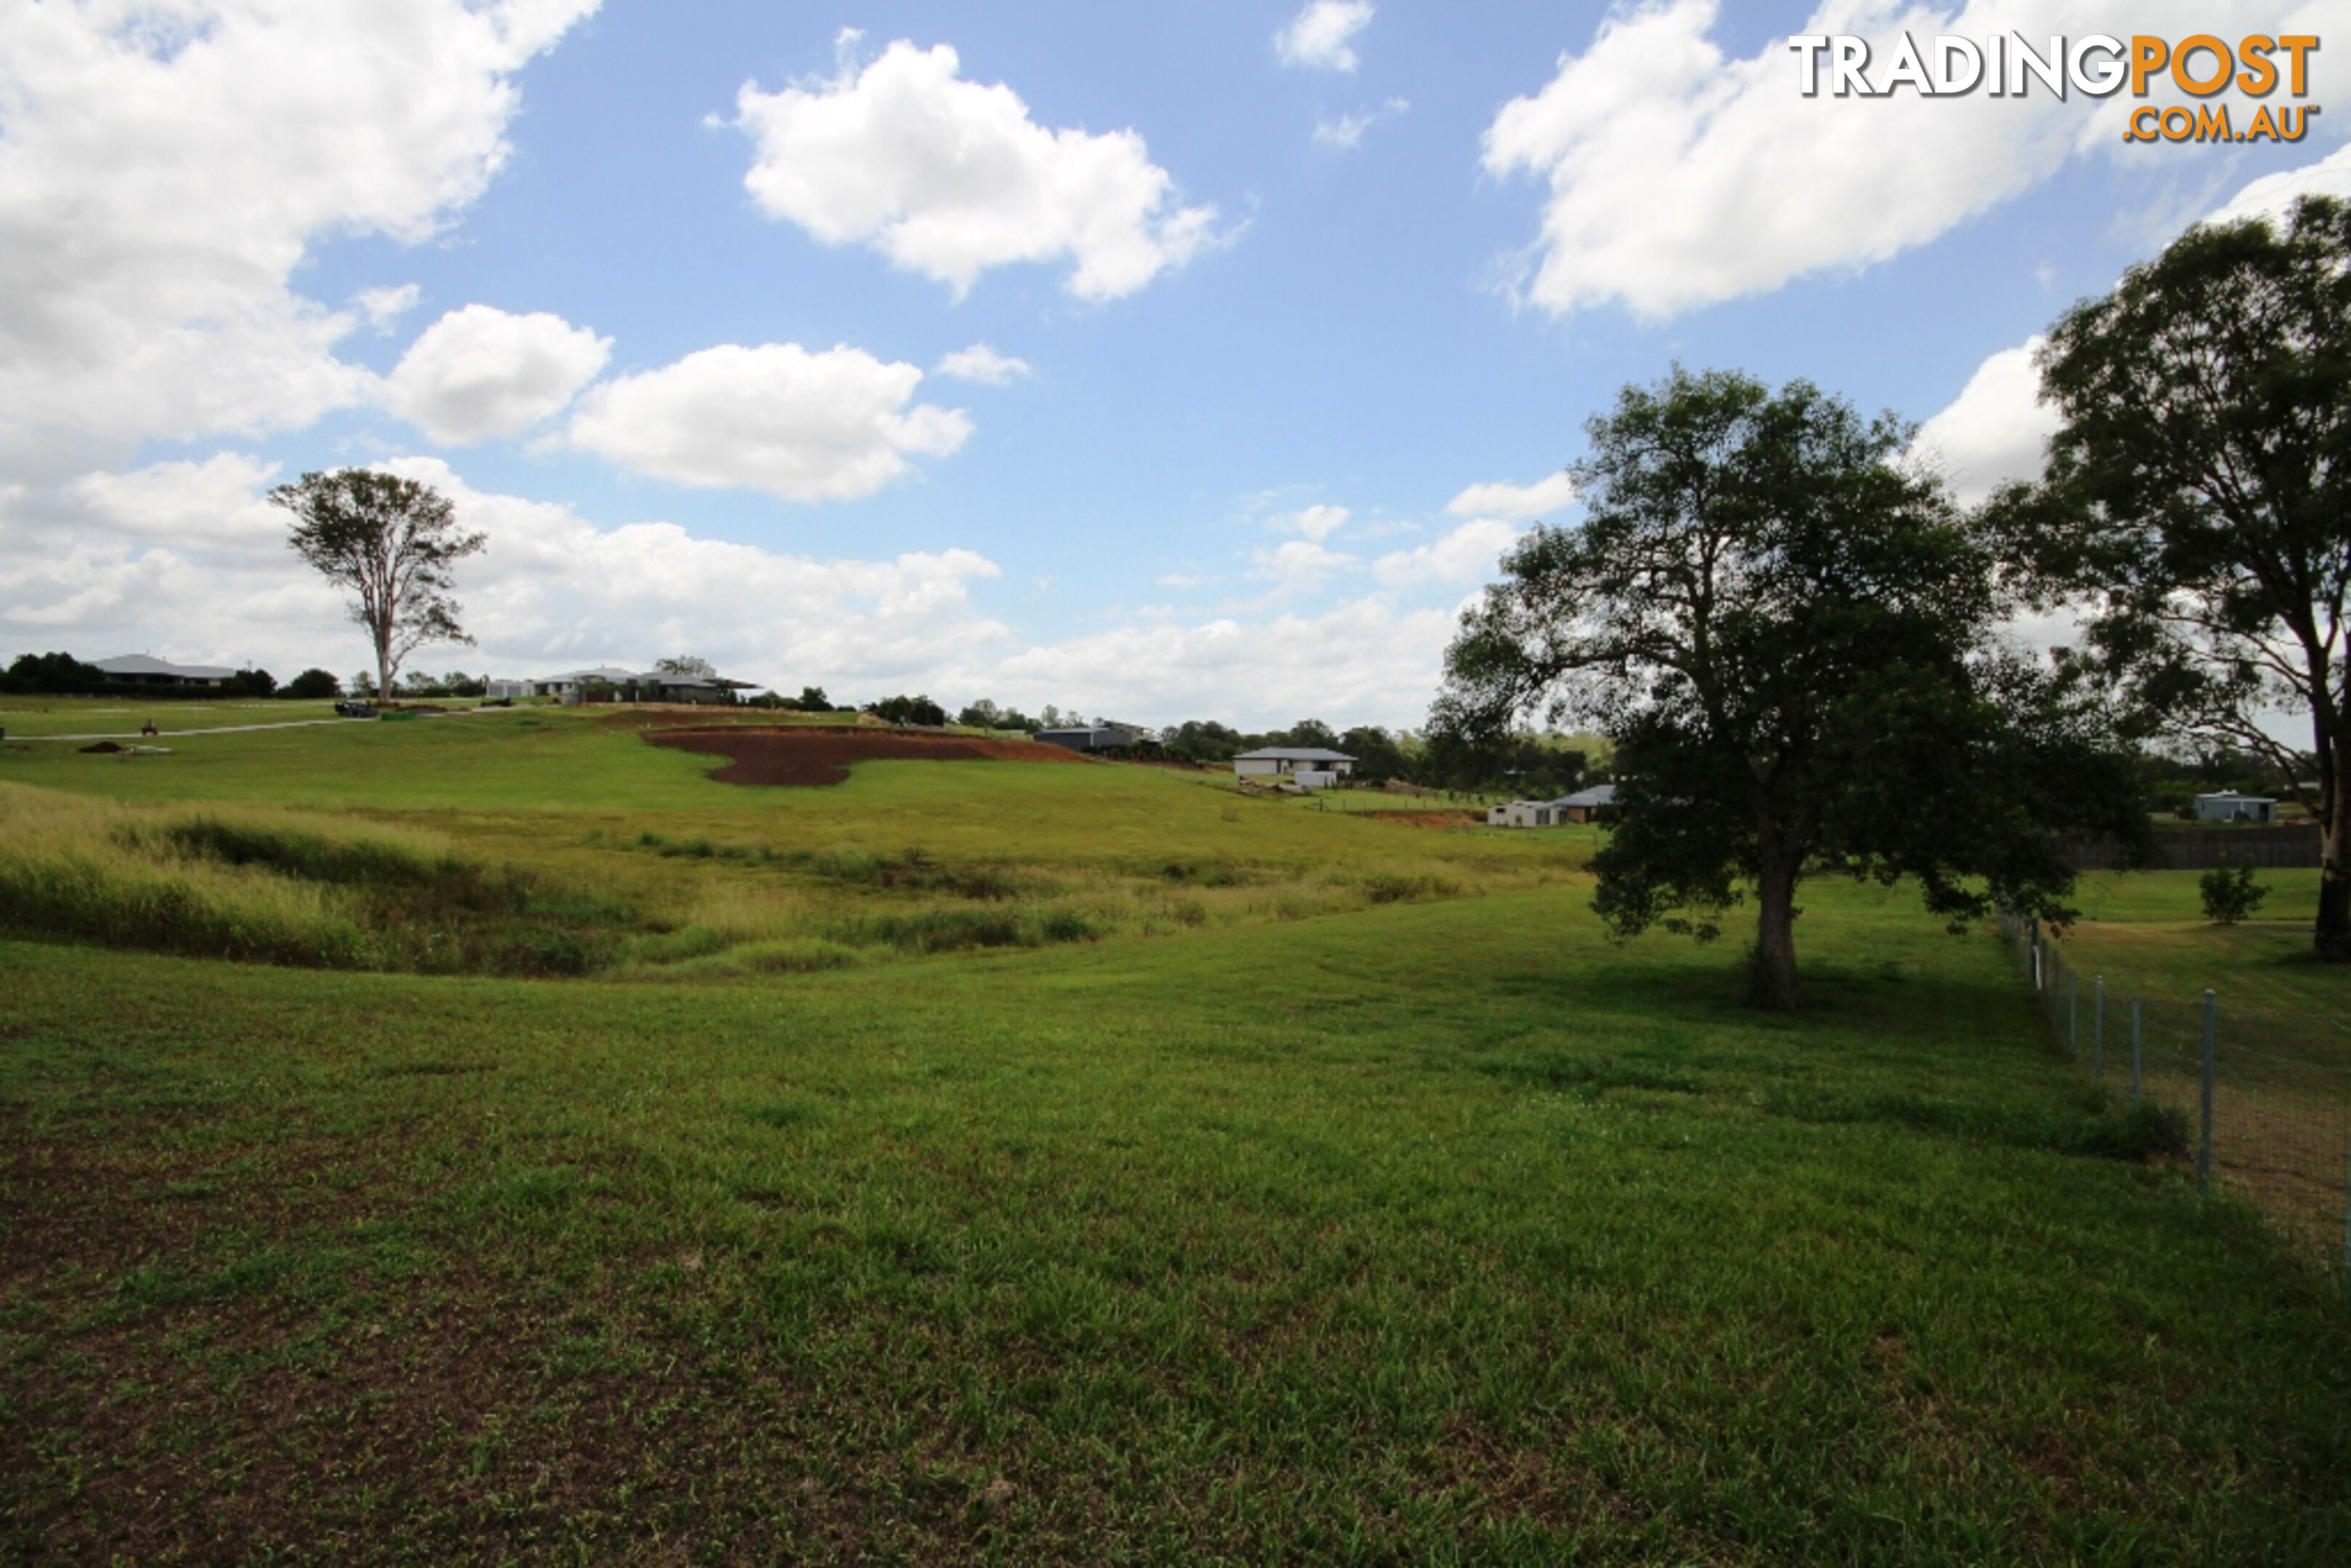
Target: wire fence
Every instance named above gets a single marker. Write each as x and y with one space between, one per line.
2264 1096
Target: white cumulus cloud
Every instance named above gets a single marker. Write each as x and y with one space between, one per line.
164 169
1317 522
189 562
829 425
1365 661
949 178
480 372
1995 430
1467 554
982 364
1679 177
1299 565
1321 36
384 308
1500 499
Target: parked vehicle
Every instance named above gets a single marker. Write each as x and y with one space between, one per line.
350 709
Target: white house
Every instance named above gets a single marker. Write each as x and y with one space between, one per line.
1308 766
628 685
2228 806
1583 806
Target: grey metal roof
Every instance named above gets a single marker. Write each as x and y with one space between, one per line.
1293 754
141 665
1598 795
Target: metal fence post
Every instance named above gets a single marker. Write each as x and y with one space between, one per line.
2098 1032
2073 1014
2138 1070
2204 1147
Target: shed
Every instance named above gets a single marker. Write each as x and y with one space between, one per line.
1091 737
2229 806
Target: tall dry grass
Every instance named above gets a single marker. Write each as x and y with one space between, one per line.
277 885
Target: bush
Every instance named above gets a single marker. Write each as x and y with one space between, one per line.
2230 894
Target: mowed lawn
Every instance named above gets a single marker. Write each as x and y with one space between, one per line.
1429 1231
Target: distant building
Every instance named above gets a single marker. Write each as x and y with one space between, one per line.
626 686
1094 737
1308 766
137 669
2228 806
1592 805
1596 804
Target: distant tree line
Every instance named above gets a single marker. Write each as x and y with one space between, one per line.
63 676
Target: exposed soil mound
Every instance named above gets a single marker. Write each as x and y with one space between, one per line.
819 756
1462 818
104 749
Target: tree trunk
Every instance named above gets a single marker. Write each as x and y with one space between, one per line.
2332 937
1773 982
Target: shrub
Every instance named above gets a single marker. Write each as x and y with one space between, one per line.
2230 894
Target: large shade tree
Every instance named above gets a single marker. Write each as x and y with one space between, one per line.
2196 510
1789 635
393 544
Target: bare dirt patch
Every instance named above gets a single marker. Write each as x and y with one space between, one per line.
1463 817
816 757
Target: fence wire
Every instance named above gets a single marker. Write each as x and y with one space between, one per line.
2264 1096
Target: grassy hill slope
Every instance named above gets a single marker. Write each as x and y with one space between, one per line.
1423 1229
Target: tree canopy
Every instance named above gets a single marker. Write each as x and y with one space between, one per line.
1788 636
2197 506
393 544
908 710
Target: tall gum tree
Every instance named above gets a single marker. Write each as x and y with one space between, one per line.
2196 508
1788 635
393 544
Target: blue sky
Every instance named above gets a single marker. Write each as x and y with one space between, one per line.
699 413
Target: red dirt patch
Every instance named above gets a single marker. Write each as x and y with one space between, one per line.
819 756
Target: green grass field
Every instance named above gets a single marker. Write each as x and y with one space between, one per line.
32 717
1337 1194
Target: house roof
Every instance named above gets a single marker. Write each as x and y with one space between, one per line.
1293 754
612 675
2233 795
666 678
1598 795
141 665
